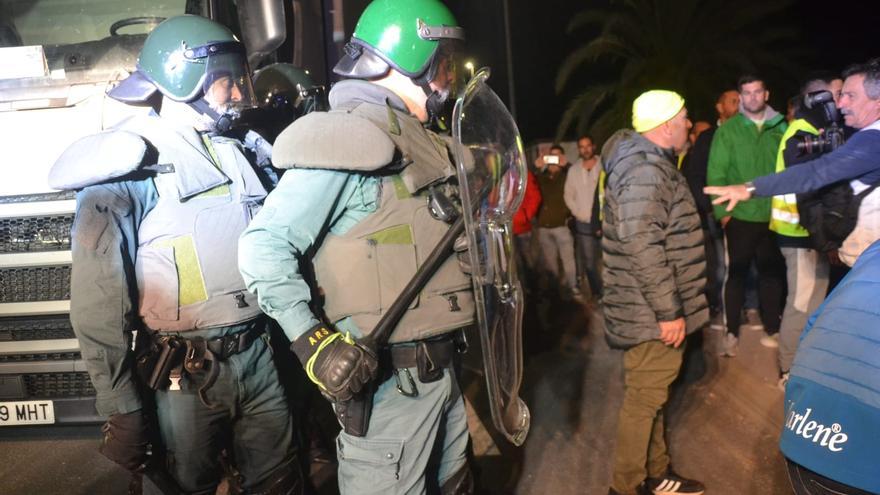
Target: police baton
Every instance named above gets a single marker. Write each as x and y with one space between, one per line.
380 335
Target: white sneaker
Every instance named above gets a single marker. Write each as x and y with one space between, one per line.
729 344
717 322
771 341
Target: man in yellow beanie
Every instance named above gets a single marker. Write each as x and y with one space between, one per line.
654 283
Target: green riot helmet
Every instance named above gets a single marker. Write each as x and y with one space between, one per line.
417 38
286 86
194 60
284 93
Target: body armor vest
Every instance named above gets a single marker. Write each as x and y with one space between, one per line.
187 259
363 271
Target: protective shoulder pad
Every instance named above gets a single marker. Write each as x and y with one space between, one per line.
97 158
334 140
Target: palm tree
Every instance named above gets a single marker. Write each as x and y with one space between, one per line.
696 47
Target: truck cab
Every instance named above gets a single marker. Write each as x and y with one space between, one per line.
57 61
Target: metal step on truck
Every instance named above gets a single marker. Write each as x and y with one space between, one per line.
57 60
42 378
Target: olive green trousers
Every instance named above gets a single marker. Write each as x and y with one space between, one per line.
649 369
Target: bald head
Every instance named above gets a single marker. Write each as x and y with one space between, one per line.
672 133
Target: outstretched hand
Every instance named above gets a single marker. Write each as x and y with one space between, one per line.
728 194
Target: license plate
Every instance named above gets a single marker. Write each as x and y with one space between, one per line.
32 412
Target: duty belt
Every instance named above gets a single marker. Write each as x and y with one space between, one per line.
229 345
439 354
429 357
170 355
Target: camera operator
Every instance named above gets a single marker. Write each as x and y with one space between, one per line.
806 268
858 161
830 385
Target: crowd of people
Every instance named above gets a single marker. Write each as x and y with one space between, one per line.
189 252
763 214
823 190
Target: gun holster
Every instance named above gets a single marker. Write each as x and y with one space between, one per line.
199 360
146 354
159 357
354 414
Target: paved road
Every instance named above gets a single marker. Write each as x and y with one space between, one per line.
723 424
723 428
56 460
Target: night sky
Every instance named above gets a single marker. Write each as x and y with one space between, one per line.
835 34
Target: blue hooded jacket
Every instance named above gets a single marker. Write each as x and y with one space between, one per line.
832 400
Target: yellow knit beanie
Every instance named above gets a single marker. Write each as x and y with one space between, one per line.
655 107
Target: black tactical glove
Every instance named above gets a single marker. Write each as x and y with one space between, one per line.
340 366
126 440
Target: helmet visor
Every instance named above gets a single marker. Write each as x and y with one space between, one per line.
447 73
444 80
227 85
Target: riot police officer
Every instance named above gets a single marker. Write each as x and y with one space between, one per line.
162 199
353 205
286 92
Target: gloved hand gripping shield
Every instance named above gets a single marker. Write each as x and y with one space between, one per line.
492 175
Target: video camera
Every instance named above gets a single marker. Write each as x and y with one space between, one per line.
832 136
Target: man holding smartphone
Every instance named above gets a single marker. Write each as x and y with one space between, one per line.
554 236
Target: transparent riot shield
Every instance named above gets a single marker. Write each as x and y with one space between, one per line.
492 175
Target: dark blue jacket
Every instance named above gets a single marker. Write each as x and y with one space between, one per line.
832 401
858 158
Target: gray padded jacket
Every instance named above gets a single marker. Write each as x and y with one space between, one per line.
655 266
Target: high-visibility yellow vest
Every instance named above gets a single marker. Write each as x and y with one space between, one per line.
784 217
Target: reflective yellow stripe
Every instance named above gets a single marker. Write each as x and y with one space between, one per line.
786 199
190 282
400 189
398 234
787 229
785 216
221 190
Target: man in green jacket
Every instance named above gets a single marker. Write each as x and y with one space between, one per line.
743 148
